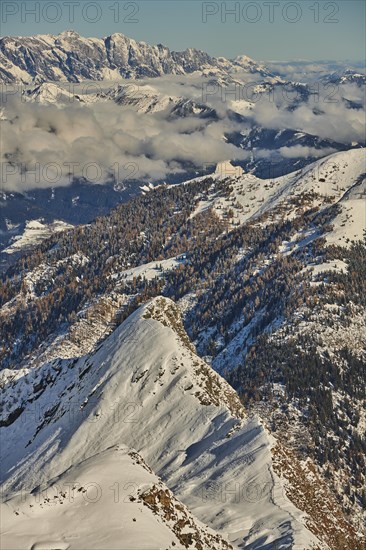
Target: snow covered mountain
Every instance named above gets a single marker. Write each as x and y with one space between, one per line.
145 388
268 275
183 336
346 77
267 152
338 179
271 126
71 57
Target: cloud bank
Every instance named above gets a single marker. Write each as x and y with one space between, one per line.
49 145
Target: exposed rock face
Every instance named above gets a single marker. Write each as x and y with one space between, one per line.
225 170
70 57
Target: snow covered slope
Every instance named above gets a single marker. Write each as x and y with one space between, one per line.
77 392
114 490
35 232
48 92
71 57
146 388
336 179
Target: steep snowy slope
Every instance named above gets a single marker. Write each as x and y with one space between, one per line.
336 179
146 388
114 490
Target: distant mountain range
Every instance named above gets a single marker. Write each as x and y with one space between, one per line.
70 57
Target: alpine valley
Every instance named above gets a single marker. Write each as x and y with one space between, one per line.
183 347
78 95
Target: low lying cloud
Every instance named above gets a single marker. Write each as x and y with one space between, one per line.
295 152
304 71
331 120
298 151
49 145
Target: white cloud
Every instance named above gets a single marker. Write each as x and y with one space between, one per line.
48 142
44 145
324 118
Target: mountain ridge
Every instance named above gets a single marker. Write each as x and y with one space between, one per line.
172 397
70 57
270 285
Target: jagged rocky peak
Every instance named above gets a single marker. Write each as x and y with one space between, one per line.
71 57
68 34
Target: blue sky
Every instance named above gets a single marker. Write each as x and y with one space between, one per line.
265 30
